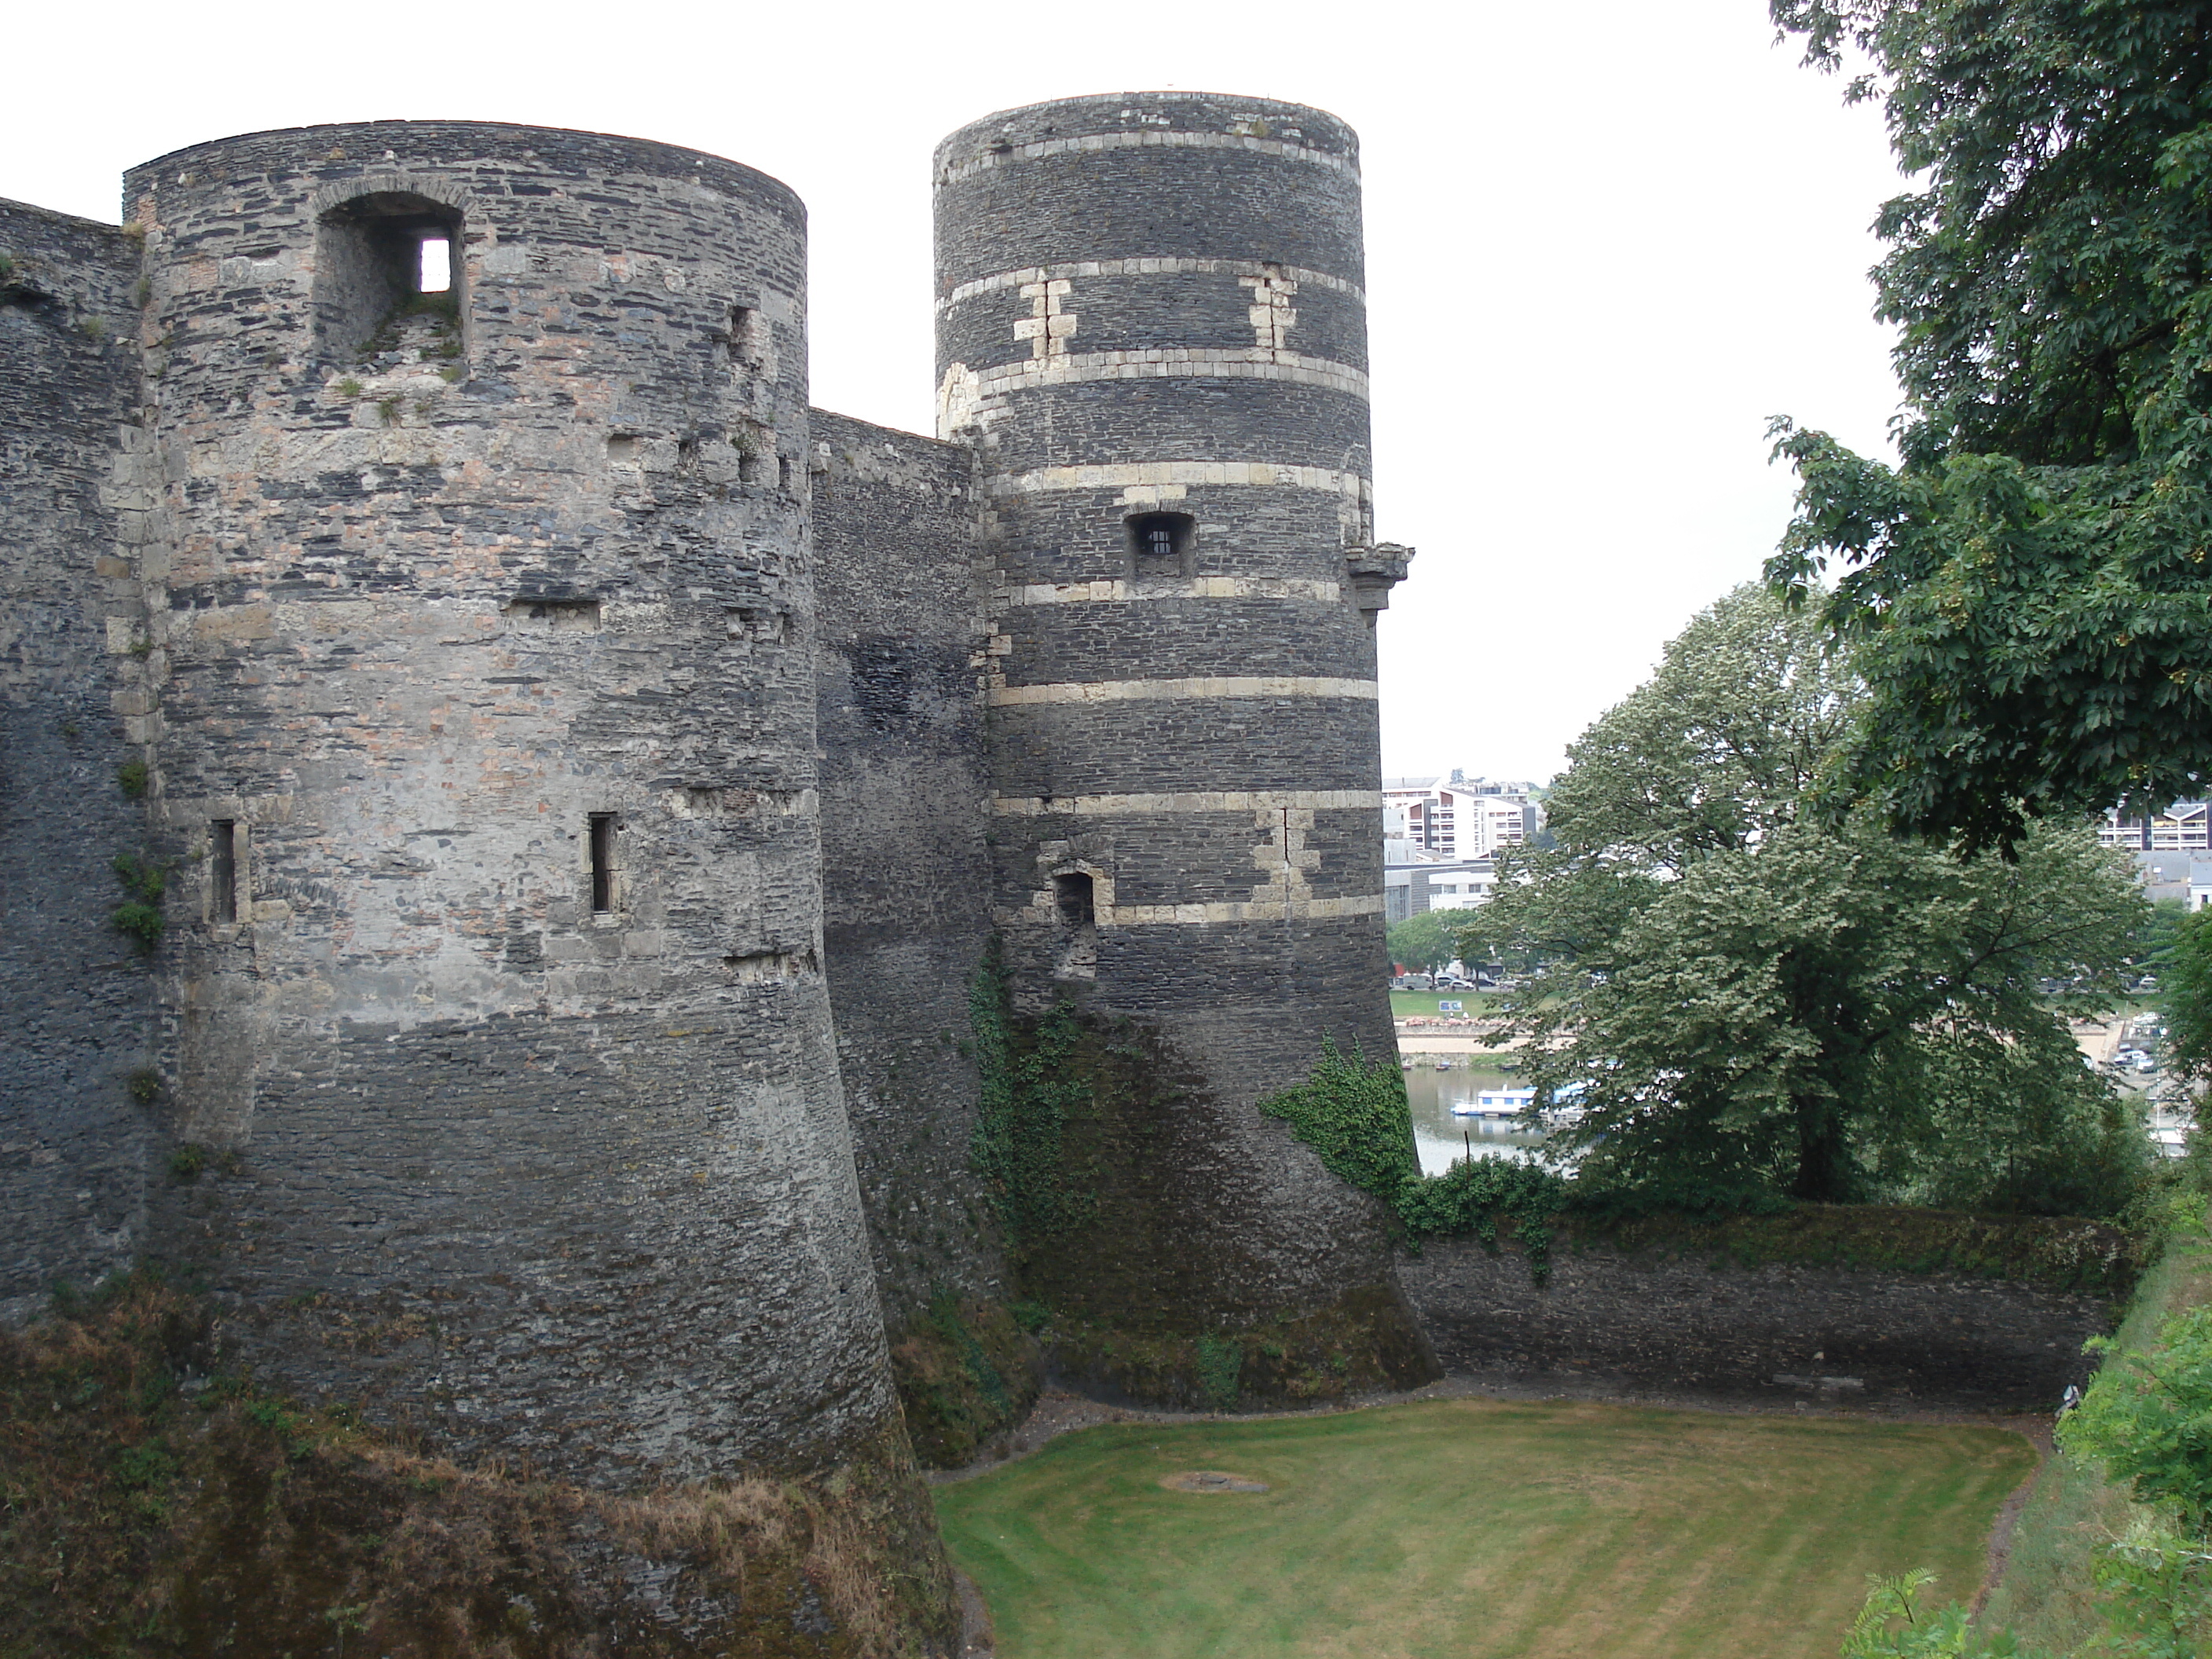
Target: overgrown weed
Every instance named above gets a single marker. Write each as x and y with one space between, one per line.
151 1506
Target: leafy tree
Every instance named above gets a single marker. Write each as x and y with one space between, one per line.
2155 939
1748 997
2185 991
1428 941
2029 589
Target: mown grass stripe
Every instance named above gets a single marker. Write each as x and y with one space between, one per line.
1471 1529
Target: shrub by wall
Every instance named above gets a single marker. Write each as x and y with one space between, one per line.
966 1370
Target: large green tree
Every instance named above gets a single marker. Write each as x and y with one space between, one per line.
1428 941
2029 589
2186 990
1747 996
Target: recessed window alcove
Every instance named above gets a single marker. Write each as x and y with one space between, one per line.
1159 545
383 260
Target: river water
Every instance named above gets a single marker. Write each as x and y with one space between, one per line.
1443 1138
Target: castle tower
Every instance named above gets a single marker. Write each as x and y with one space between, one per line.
1151 324
475 676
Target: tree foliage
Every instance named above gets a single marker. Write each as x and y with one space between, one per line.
2029 589
1747 997
2149 1421
1428 941
2185 989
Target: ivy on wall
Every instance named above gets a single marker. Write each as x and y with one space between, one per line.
1027 1089
1353 1112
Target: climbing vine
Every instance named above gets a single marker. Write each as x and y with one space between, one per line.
1353 1112
1029 1083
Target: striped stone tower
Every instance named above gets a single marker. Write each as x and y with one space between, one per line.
1151 325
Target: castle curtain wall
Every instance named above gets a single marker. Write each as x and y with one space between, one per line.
74 1141
904 791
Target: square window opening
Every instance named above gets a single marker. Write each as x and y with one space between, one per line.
386 275
1160 544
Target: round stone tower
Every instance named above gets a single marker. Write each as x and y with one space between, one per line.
478 696
1151 325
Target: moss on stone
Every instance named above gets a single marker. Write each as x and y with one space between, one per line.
1362 1343
966 1371
151 1511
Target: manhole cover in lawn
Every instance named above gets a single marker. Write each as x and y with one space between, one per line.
1211 1481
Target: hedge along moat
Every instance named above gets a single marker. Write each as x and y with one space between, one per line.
1840 1301
1824 1304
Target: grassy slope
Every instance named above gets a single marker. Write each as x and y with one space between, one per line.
135 1520
2045 1596
1473 1529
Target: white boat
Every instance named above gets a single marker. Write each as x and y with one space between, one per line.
1494 1103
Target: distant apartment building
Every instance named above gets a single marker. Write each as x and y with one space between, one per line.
2184 826
2172 849
1416 887
1460 817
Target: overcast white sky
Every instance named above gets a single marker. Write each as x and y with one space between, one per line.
1605 242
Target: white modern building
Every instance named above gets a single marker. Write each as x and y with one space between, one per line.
1418 886
1460 817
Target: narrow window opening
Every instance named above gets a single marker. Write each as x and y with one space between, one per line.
603 862
1160 544
783 473
1073 899
435 272
222 870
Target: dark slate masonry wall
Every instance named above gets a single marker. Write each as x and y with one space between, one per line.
74 1145
1647 1323
542 1159
1152 303
905 795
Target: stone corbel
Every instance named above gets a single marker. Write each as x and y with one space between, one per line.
1374 571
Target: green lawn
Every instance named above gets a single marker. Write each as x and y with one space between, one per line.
1404 1003
1474 1530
